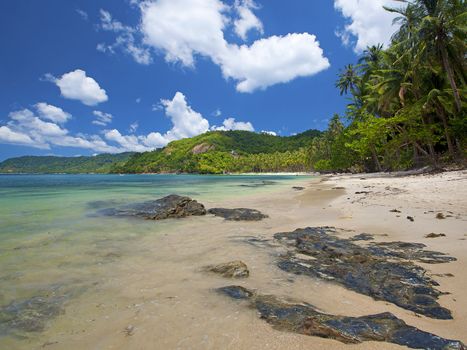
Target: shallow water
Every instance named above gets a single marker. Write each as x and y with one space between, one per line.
103 270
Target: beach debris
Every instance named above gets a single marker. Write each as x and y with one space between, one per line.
338 188
304 319
435 235
29 315
172 206
362 192
298 188
394 211
384 271
232 269
238 214
129 330
440 216
410 218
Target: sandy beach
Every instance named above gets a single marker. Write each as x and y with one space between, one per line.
159 297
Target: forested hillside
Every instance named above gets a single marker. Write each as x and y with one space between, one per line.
101 163
407 102
226 151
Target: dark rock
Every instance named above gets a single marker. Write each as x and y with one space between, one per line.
236 292
363 237
410 218
172 206
238 214
394 211
30 315
298 188
232 269
440 216
305 319
362 192
338 188
369 270
435 235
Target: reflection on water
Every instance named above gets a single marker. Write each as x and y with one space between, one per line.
55 255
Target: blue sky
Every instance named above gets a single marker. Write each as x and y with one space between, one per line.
86 77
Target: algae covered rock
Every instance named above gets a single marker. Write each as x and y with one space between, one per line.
232 269
172 206
383 271
238 214
305 319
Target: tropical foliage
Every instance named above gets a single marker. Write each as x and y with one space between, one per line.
407 102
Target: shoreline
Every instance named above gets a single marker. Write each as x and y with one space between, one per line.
156 282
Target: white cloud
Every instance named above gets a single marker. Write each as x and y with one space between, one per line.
217 113
186 122
231 124
102 118
277 59
167 27
126 142
83 14
369 22
272 133
26 128
246 20
125 39
133 127
76 85
15 138
53 113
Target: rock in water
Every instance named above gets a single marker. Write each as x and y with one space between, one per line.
305 319
30 315
172 206
369 270
232 269
238 214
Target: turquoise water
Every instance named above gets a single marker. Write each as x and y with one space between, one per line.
52 243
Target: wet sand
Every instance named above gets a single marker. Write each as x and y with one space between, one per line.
158 297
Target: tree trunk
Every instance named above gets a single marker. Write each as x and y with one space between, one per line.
446 130
450 73
375 159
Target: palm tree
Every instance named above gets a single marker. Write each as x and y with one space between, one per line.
348 79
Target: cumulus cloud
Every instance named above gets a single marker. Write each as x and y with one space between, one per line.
29 129
26 127
272 133
231 124
53 113
277 59
76 85
369 23
15 138
102 118
246 20
180 35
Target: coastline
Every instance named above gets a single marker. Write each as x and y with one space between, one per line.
158 286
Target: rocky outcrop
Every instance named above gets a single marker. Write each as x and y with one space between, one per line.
172 206
383 271
202 148
305 319
232 269
238 214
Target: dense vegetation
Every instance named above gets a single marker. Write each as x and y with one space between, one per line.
407 103
218 152
101 163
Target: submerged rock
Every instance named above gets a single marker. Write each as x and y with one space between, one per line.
435 235
363 237
30 315
369 270
232 269
172 206
305 319
298 188
238 214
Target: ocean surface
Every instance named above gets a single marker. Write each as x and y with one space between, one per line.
55 249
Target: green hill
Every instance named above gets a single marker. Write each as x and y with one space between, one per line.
225 151
101 163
